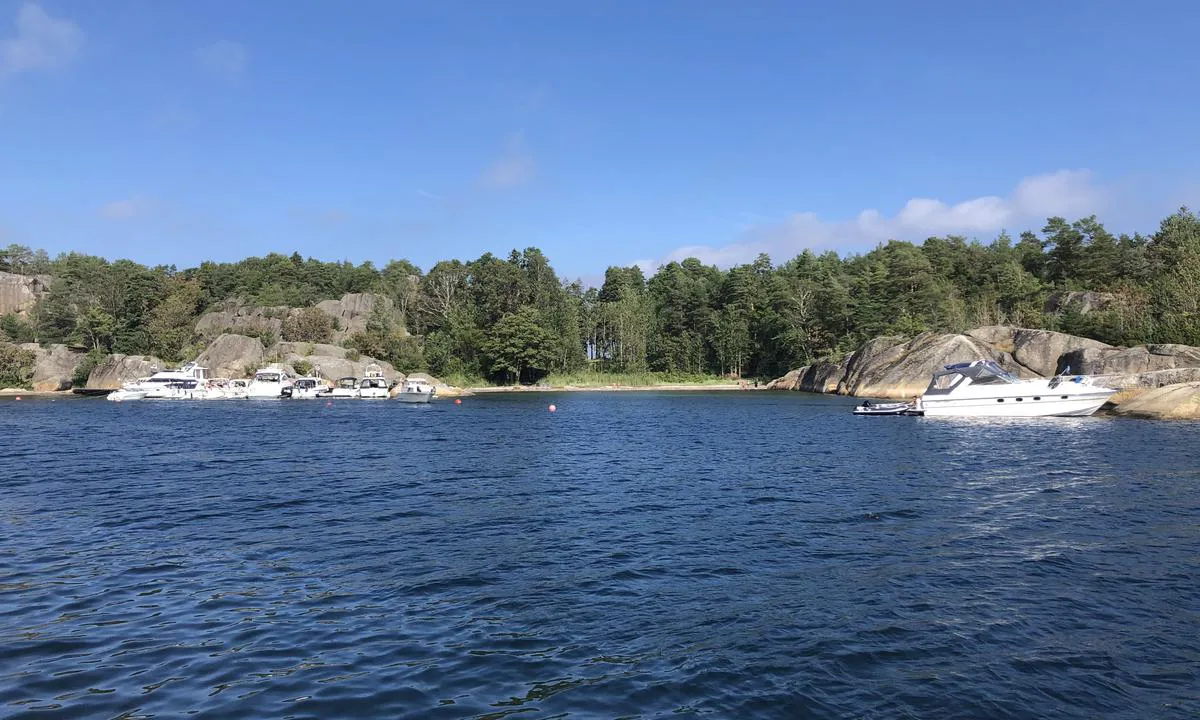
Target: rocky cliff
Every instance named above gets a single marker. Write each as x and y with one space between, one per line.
18 293
116 370
55 366
893 367
230 356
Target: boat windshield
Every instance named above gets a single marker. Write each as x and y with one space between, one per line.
981 372
989 373
267 377
347 383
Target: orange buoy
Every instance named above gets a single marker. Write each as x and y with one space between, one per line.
458 401
553 408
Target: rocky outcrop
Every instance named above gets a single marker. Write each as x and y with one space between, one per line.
1080 301
116 370
1036 351
1041 350
18 293
242 318
329 361
1179 401
902 370
304 349
350 314
354 309
230 355
820 377
1131 361
55 366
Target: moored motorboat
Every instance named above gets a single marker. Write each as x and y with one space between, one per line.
346 388
268 383
982 388
373 386
307 388
416 390
124 394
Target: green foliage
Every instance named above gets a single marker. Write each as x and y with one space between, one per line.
16 366
511 318
519 347
85 367
16 329
308 325
303 367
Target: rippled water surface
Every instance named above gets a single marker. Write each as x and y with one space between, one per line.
632 555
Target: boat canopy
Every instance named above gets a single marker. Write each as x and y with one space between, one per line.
980 372
348 383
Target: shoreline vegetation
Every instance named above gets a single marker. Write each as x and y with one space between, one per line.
495 323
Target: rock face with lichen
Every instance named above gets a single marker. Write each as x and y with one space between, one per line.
895 367
19 293
1180 401
55 366
115 370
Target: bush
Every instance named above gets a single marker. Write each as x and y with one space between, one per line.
14 328
303 367
308 325
85 367
16 366
353 355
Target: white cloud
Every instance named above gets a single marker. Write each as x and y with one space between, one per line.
1069 193
514 167
223 59
125 209
41 43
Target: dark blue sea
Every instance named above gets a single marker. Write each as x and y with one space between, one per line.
633 555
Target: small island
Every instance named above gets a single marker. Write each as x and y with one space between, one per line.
1069 297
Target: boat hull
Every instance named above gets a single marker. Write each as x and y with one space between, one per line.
123 395
1075 405
264 390
414 397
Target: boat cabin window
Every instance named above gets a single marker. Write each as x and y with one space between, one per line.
267 377
347 383
945 382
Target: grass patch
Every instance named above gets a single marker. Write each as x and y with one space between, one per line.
643 379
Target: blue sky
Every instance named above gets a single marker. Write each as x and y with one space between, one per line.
604 133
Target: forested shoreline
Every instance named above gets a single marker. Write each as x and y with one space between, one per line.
508 318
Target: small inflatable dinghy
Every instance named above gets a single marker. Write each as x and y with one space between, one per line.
870 408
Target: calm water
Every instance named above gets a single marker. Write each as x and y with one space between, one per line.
632 555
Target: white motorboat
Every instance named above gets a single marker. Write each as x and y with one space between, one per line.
346 388
307 388
126 393
235 389
268 383
982 388
374 386
161 384
416 390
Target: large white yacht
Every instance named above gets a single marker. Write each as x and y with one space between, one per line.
162 384
982 388
268 383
